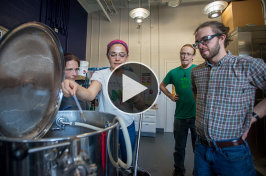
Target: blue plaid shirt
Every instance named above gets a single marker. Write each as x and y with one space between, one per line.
226 95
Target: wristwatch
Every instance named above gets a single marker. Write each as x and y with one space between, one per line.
255 115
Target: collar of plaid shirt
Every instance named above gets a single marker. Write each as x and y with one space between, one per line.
221 61
225 95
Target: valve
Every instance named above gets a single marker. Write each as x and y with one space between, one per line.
77 166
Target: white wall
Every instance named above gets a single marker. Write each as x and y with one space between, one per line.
159 38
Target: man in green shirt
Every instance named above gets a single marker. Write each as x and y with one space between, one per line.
185 111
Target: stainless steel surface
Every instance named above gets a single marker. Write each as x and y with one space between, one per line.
31 71
244 43
233 46
246 40
250 29
38 149
137 149
71 151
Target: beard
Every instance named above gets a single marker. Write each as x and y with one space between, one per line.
212 52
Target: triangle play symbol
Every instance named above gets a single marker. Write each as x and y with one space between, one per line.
131 88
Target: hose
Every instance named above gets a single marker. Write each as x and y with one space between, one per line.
85 125
126 136
128 145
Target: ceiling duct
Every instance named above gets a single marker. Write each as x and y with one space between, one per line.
174 3
100 4
113 6
107 6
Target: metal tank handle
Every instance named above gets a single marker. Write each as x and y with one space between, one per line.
38 149
21 152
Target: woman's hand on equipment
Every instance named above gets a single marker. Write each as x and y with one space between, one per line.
69 88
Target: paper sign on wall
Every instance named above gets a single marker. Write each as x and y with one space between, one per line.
146 78
149 100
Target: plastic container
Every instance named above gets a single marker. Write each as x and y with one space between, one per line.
105 68
128 68
83 69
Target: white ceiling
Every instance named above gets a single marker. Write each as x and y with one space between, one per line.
92 5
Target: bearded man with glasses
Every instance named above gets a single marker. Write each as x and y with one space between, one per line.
185 111
224 89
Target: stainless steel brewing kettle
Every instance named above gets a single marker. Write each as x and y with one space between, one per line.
31 71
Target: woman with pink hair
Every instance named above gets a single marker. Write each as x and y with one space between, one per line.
117 54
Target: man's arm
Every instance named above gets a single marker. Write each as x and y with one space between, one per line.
258 78
260 110
167 93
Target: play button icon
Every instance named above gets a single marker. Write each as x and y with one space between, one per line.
133 87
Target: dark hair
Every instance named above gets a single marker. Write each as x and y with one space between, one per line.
217 27
69 57
189 45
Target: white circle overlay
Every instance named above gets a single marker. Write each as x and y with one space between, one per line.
156 81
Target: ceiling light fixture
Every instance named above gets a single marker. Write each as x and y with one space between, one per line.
174 3
215 8
139 14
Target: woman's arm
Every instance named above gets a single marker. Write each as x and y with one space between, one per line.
70 87
138 102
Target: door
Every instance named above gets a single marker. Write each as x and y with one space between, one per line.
169 104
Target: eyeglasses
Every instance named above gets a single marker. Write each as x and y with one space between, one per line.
114 54
184 54
69 70
204 40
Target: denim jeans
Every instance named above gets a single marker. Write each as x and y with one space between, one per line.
181 127
132 136
229 161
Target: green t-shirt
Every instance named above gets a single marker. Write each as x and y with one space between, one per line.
186 105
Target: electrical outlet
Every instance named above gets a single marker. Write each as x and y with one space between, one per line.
56 30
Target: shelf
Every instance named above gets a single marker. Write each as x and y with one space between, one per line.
81 78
